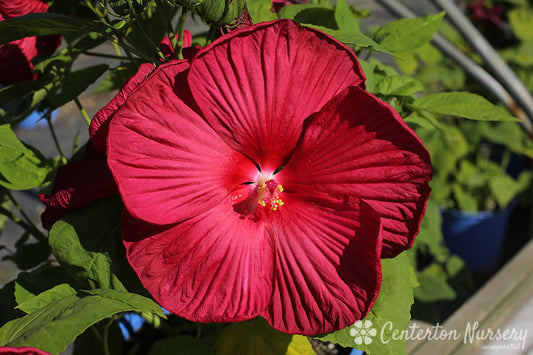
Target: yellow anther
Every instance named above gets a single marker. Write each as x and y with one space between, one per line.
266 193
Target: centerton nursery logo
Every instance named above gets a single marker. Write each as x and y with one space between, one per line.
363 333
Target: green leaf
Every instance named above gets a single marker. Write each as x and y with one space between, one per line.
504 188
463 104
17 90
423 119
260 10
509 134
356 39
345 19
88 244
408 34
114 80
42 24
181 345
397 86
138 303
433 285
54 294
520 21
22 294
524 180
430 234
56 325
390 313
122 7
21 168
257 337
45 277
465 201
310 15
76 83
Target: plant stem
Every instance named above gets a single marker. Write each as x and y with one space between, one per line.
210 35
27 223
178 46
93 9
198 330
115 38
170 30
103 55
82 111
106 336
128 48
54 137
97 334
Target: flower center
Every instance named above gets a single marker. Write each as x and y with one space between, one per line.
268 191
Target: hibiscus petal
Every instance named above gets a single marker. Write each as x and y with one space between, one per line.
168 163
17 56
16 8
257 85
214 267
328 269
99 127
77 184
359 146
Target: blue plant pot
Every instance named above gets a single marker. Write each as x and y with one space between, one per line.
477 237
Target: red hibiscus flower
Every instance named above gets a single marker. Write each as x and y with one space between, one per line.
21 350
18 55
261 179
81 182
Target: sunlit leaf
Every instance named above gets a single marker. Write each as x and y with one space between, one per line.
21 168
408 34
87 243
54 294
390 313
53 327
463 104
257 337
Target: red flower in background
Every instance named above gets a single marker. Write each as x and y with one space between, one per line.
485 13
278 4
260 179
24 350
18 55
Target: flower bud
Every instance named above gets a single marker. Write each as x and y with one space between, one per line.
186 3
122 7
220 12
